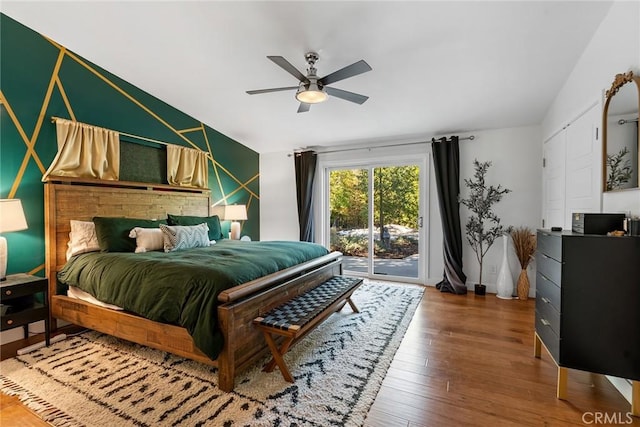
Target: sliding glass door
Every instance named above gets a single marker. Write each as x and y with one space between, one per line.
349 216
375 219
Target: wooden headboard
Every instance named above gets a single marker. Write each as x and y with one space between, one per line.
68 199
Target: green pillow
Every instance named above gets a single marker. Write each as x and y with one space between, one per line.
113 233
215 230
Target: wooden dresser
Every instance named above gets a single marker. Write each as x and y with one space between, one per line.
588 305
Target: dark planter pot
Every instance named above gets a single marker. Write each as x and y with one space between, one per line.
480 289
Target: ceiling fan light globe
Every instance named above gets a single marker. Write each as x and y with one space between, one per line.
311 93
311 96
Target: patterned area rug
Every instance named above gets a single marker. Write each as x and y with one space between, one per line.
97 380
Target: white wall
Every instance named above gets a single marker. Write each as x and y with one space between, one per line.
516 154
278 204
614 49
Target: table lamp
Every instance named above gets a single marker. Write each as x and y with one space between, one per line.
11 219
233 213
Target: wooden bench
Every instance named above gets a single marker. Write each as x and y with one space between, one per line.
298 316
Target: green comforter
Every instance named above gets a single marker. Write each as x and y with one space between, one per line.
182 287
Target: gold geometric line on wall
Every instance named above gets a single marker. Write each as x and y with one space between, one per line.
188 130
249 202
45 102
206 138
30 143
225 198
53 42
65 99
25 139
213 162
251 193
242 185
131 98
154 115
37 269
23 134
253 179
139 104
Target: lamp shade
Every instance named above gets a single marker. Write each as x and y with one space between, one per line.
11 216
230 212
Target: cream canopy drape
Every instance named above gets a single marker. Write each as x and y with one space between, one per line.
187 167
85 151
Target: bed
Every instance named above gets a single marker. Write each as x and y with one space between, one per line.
237 306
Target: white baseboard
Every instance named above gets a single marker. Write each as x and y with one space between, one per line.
622 385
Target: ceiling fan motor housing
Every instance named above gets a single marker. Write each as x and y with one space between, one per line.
311 58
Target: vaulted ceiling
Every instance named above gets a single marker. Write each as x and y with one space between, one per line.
438 67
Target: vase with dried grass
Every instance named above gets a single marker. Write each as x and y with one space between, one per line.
524 242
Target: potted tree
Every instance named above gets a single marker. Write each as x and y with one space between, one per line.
483 226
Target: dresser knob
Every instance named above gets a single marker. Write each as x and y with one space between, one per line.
8 292
9 322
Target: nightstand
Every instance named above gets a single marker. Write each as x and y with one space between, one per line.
19 305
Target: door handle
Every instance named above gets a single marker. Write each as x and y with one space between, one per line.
419 222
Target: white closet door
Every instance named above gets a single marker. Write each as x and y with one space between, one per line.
553 182
583 165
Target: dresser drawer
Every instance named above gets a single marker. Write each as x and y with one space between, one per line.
549 316
550 244
548 337
547 291
549 268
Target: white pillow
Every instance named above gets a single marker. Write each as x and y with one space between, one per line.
185 236
82 238
147 239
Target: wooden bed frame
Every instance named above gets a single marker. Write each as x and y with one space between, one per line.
81 199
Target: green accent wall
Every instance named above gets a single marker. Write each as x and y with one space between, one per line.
40 79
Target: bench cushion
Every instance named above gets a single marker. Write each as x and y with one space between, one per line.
300 310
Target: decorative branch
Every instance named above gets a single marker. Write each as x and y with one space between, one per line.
524 243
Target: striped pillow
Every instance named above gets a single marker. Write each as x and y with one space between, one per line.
178 237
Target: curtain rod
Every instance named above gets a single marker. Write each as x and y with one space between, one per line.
144 138
470 138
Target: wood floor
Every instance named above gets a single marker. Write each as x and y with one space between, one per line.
464 361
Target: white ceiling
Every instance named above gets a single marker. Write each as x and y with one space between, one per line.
438 67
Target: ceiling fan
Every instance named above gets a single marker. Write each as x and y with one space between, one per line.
312 89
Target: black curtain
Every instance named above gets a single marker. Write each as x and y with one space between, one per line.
305 163
446 161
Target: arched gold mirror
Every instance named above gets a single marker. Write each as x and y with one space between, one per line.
621 141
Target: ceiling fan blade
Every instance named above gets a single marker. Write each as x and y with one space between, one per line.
346 95
303 108
275 89
346 72
286 65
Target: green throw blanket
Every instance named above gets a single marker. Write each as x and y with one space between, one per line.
182 287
